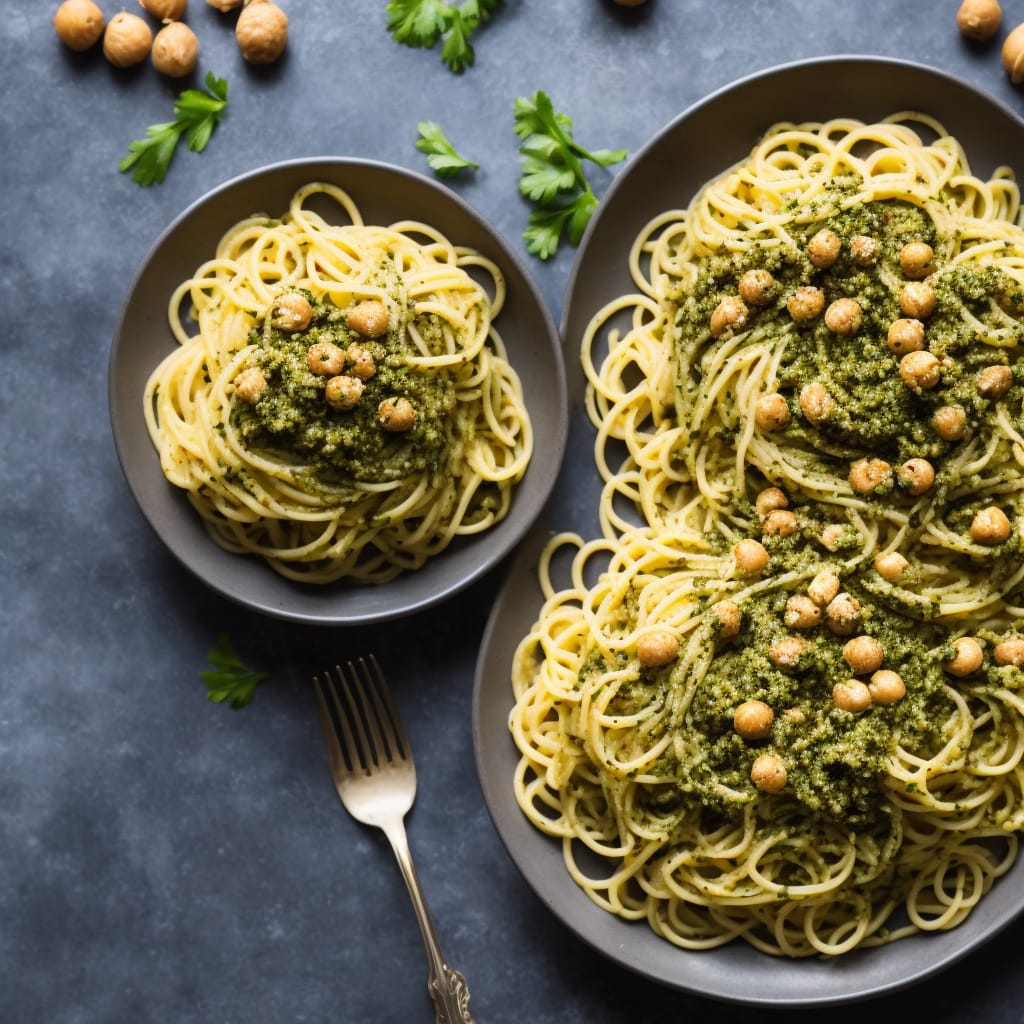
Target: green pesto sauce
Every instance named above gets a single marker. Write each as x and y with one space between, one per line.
874 412
292 420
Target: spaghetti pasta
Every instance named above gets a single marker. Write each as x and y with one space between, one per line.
780 699
343 406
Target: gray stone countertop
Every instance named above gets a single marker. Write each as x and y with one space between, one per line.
165 859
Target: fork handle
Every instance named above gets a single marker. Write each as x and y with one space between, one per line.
447 987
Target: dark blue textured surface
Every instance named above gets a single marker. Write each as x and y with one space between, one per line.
163 859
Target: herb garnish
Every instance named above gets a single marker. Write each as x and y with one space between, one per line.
441 154
421 23
230 679
196 114
552 175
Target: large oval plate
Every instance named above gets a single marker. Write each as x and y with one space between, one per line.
384 194
697 146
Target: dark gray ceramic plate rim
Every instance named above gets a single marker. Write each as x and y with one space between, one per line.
701 142
384 194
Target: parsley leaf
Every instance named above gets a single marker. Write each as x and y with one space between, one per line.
552 175
441 154
421 23
196 114
230 679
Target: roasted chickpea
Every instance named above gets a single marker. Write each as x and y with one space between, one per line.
750 555
887 687
891 565
1013 54
995 381
361 362
815 402
175 50
1009 652
657 647
805 303
967 657
852 696
864 654
729 315
801 612
753 720
842 616
368 318
920 371
757 287
979 19
165 10
291 312
250 385
780 523
396 415
325 359
916 260
787 652
769 774
917 300
729 618
126 40
916 476
824 587
771 412
832 536
823 248
343 392
844 317
261 31
795 715
225 5
769 500
950 422
905 335
871 476
78 24
864 250
990 526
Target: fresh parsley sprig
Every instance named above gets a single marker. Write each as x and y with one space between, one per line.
441 154
421 23
552 175
229 678
196 113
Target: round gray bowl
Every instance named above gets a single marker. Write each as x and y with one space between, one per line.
384 194
695 147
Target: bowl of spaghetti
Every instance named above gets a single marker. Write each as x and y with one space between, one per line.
325 387
762 701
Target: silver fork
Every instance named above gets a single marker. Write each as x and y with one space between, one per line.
375 777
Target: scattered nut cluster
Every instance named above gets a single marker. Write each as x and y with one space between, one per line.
261 32
345 371
980 21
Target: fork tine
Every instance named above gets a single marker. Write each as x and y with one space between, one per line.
387 717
